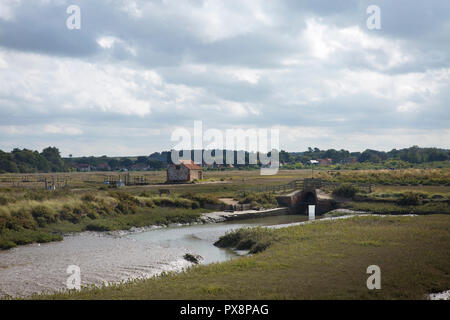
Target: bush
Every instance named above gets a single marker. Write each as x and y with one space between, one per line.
127 202
253 239
126 207
410 199
149 203
265 200
21 219
5 200
174 202
6 244
88 197
43 215
345 190
201 199
12 238
69 214
98 226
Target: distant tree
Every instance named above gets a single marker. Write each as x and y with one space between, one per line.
53 156
113 163
142 159
126 162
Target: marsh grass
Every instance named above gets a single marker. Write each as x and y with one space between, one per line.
252 239
83 204
262 199
393 208
28 220
321 260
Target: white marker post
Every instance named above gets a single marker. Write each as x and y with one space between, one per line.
312 212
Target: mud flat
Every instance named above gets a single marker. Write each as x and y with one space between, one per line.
221 216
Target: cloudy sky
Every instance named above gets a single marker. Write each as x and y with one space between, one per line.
137 70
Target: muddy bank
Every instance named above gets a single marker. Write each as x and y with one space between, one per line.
221 216
117 256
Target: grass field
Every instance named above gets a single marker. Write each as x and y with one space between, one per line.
28 213
322 260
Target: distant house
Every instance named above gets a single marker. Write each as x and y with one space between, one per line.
186 171
139 167
325 162
103 167
349 160
313 162
84 167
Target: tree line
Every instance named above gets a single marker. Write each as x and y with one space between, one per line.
50 160
28 161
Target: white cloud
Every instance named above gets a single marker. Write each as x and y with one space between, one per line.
331 43
62 129
7 9
107 42
210 20
325 79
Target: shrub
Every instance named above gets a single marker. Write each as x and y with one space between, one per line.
173 202
195 205
410 199
123 196
127 202
88 197
43 215
253 239
93 215
201 199
6 244
265 200
21 219
98 226
43 237
5 200
126 207
149 203
345 190
67 213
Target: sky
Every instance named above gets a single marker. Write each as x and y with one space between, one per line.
135 71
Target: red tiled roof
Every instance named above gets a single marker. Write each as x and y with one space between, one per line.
190 165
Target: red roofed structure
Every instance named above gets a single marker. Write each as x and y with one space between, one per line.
186 171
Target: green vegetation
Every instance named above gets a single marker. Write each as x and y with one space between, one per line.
252 239
49 160
407 177
345 190
409 199
42 216
27 161
83 206
321 260
261 200
393 208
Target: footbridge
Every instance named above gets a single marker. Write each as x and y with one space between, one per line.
298 194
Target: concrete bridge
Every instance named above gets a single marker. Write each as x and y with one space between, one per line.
305 192
298 200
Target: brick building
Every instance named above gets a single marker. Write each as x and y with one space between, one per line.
186 171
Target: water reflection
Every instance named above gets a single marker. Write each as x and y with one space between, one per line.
106 258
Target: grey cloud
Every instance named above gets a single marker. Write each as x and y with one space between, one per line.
168 43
